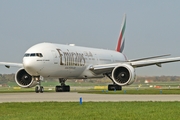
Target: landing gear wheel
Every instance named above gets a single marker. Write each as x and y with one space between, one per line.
112 87
65 88
41 89
56 89
37 89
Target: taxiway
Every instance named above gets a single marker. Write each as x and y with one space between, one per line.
74 97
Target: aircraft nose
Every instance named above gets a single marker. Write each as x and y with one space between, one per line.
30 66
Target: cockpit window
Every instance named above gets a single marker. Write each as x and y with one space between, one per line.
26 55
33 55
39 54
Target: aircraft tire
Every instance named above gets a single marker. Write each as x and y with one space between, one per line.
37 89
57 89
112 87
65 88
41 89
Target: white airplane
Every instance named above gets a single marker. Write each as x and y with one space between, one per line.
74 62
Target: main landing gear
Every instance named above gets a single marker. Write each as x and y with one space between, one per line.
112 87
63 87
38 88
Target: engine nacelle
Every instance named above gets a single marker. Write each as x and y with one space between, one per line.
123 75
23 79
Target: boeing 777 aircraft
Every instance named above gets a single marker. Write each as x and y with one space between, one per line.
74 62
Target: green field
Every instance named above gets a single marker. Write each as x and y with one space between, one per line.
90 111
125 90
93 110
88 87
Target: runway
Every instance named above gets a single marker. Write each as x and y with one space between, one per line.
74 97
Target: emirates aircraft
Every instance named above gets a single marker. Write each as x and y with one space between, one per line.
74 62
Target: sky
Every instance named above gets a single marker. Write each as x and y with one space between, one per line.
152 28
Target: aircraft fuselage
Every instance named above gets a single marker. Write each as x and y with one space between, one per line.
67 61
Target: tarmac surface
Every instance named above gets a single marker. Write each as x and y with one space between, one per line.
75 97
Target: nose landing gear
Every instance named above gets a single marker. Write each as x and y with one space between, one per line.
38 88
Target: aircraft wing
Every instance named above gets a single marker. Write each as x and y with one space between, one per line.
104 68
107 68
157 62
8 64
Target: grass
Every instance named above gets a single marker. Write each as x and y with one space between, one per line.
90 111
54 83
86 87
93 110
134 91
126 90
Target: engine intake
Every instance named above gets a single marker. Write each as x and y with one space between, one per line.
23 79
123 75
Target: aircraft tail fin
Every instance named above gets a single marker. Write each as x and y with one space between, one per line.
121 40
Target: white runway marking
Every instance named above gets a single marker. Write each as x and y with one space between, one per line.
72 96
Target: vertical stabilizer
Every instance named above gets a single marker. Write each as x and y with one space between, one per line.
121 40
